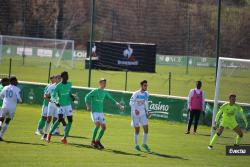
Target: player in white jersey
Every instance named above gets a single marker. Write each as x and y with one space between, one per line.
52 108
139 113
10 95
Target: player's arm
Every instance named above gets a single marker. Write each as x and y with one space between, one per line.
132 101
241 111
88 99
54 95
219 114
18 95
189 98
113 100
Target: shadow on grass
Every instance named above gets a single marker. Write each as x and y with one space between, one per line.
25 143
76 137
165 155
208 135
106 150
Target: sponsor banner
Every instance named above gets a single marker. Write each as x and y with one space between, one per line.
238 150
160 107
24 51
121 56
44 52
182 61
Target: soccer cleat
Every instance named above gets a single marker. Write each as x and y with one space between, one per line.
1 139
94 145
49 138
210 147
137 147
44 137
38 133
145 146
100 146
64 140
187 132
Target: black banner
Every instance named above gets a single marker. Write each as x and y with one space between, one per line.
123 56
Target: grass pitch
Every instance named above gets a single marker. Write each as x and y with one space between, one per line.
170 147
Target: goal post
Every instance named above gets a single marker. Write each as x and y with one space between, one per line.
232 77
37 51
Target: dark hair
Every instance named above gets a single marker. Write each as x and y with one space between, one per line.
198 82
64 73
143 82
4 80
13 80
232 95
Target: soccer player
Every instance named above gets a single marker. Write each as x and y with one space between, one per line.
229 112
94 102
139 113
196 104
52 108
62 91
10 95
46 98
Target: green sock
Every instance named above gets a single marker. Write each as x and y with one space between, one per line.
54 126
237 140
100 135
41 123
214 139
68 127
94 133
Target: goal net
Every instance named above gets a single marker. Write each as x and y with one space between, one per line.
233 76
37 52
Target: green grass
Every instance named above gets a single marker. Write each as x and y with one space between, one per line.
36 70
169 145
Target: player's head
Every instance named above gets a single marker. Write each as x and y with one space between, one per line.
52 79
232 98
198 84
58 78
13 80
5 81
144 85
102 83
65 76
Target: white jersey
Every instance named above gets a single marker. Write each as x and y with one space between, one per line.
10 95
139 101
51 88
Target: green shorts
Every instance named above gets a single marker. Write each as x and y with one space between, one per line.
231 124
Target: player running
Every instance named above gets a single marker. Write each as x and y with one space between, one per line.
94 102
10 95
139 113
229 112
63 93
46 98
53 110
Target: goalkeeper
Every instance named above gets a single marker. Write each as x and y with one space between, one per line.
229 112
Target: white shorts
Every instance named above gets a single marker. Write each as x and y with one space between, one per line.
66 110
53 110
98 117
44 111
7 113
138 121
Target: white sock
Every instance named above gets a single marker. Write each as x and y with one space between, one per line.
46 128
5 127
145 137
136 138
1 123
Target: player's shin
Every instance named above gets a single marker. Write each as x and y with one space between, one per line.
214 139
54 126
95 130
41 124
100 134
67 129
5 127
237 140
136 136
145 137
